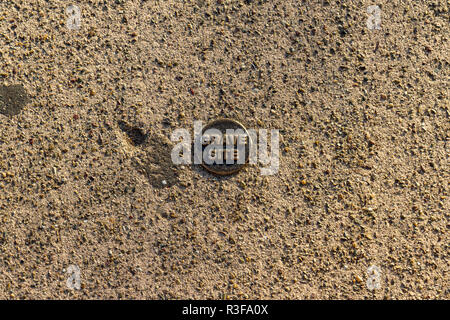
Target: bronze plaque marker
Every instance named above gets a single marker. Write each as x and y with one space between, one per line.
225 146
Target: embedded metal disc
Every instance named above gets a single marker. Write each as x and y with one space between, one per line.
225 146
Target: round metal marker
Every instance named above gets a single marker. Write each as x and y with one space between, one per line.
225 146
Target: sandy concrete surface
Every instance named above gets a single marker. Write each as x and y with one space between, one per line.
86 177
